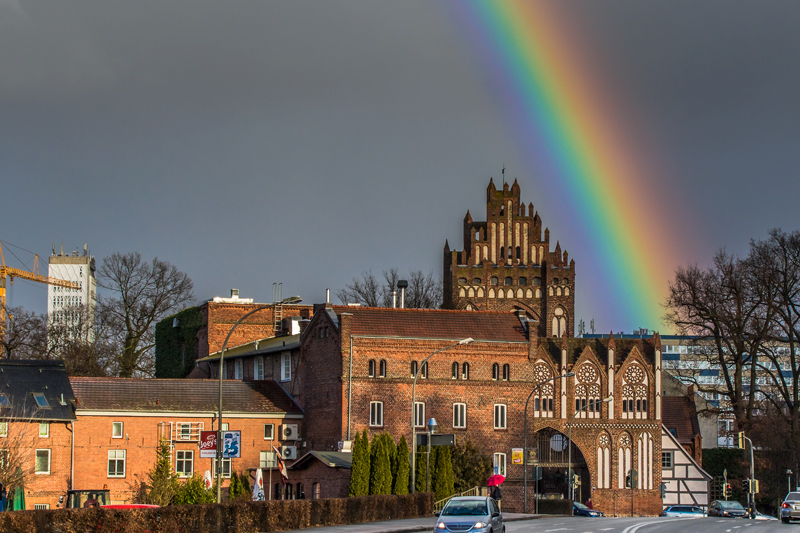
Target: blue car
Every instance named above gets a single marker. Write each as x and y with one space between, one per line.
578 509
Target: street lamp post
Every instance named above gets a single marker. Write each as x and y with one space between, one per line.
525 440
468 340
569 443
431 430
789 479
290 300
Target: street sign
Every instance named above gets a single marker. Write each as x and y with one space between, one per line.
437 439
516 456
537 473
231 444
208 444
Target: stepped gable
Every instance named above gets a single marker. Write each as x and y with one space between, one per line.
134 394
623 348
434 323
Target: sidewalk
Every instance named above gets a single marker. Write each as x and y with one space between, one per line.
399 526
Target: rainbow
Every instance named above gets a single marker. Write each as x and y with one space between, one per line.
569 131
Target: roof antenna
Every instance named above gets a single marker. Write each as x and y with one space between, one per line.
504 175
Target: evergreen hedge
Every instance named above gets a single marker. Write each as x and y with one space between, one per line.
236 517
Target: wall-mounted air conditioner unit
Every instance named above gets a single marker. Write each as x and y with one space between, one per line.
289 452
289 432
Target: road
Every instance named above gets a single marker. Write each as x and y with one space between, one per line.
518 523
645 525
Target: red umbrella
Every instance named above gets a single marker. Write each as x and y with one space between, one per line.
496 479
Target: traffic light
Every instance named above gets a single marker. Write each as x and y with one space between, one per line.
576 480
741 439
754 486
748 485
728 491
662 490
628 481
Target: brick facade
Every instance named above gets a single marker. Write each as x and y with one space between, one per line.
507 264
618 436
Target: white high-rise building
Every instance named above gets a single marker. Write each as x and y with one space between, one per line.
64 305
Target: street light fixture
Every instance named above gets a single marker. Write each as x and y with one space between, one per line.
468 340
289 300
525 439
569 443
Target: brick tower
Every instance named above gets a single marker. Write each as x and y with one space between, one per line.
506 264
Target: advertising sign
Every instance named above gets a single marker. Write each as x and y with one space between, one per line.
231 444
516 456
533 456
208 444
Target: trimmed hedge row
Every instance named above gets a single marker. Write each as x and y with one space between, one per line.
238 517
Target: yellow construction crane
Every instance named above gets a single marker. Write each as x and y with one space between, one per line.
11 273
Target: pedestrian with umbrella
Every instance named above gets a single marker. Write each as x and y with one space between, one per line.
494 483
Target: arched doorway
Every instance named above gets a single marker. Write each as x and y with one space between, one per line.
550 474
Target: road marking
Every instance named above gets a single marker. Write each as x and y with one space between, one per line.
633 528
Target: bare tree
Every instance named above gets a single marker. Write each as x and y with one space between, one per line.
144 293
24 334
423 292
719 308
19 433
775 267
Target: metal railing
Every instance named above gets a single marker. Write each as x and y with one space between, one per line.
474 491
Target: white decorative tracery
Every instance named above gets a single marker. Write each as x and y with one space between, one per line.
635 392
587 391
604 461
624 459
544 397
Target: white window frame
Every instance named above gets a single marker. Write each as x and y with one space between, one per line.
238 369
41 506
269 431
376 414
36 461
500 415
267 459
117 434
41 400
419 414
459 416
114 456
499 463
226 467
258 368
44 430
181 455
286 366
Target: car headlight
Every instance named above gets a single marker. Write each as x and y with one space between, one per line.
480 525
441 525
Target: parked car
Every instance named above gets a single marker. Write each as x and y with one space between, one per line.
685 511
476 514
728 509
760 516
578 509
790 508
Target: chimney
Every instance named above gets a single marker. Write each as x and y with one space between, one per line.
234 293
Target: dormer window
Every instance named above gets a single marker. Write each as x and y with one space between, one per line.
4 401
41 401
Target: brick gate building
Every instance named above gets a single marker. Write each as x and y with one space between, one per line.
358 364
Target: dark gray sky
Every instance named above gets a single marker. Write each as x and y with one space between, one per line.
305 142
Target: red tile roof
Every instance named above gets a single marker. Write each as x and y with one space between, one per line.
678 413
435 323
192 395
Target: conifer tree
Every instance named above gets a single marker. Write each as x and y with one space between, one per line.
359 470
443 483
380 479
403 470
420 468
163 481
